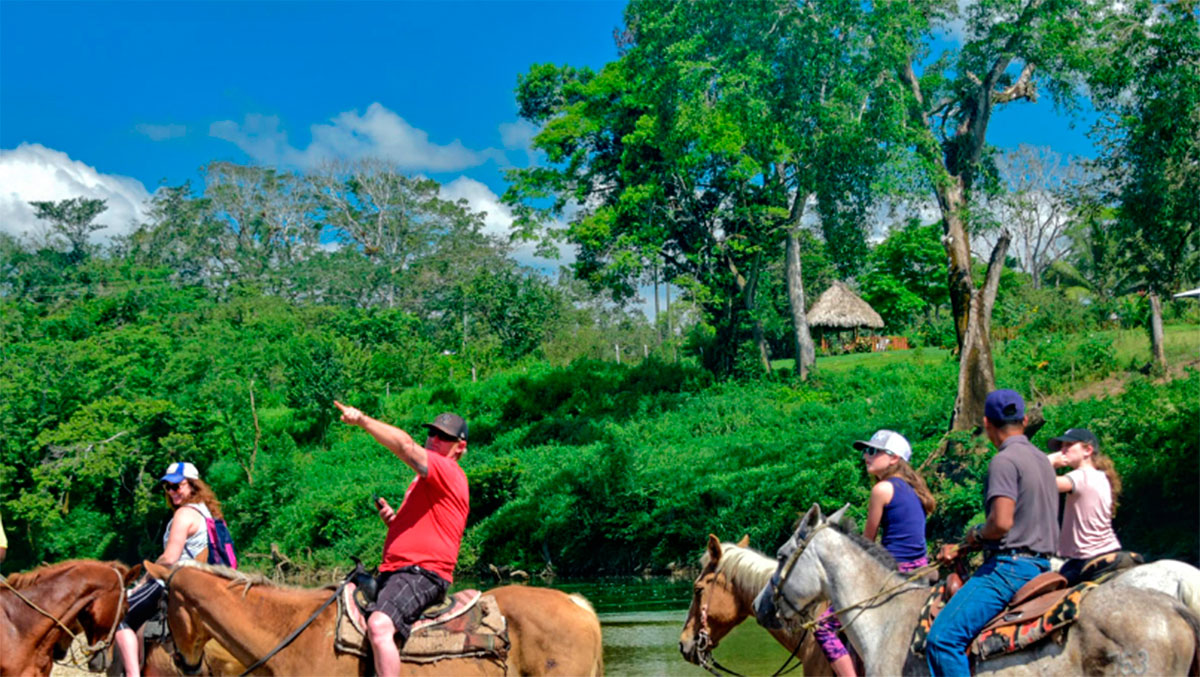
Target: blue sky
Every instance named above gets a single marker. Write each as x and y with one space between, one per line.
112 99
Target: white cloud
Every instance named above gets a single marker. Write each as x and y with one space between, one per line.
499 220
378 133
32 172
161 132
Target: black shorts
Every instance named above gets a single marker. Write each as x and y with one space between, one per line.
143 604
405 593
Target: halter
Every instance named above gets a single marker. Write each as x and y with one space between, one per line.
704 647
791 564
91 649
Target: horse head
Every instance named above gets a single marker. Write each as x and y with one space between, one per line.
715 608
188 632
796 584
99 618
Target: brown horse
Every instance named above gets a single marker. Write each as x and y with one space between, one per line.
38 607
731 575
551 633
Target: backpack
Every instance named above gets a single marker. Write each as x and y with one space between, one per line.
220 542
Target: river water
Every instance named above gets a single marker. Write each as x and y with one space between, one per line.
642 618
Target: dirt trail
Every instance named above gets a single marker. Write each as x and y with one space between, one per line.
1115 384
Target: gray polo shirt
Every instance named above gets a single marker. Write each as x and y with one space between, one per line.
1020 471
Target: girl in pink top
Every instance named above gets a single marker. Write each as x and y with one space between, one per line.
1092 488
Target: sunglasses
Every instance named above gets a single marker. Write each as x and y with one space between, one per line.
172 486
872 451
442 436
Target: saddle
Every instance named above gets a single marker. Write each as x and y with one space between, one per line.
464 624
1040 607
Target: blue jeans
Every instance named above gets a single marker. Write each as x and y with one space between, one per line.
980 599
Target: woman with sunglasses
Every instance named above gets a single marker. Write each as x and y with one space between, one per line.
899 503
186 538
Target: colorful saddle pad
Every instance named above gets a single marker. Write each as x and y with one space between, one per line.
470 625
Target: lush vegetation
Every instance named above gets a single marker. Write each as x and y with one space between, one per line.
590 466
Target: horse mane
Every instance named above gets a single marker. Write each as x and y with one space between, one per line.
748 569
33 577
875 550
244 578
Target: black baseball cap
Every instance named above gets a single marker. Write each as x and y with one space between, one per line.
449 424
1072 436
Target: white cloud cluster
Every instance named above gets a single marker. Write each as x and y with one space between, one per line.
378 133
32 172
498 222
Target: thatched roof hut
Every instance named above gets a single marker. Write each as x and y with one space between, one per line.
841 308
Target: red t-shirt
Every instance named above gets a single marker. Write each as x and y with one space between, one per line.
428 528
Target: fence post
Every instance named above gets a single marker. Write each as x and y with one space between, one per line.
617 350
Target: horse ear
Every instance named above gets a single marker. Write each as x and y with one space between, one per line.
745 542
133 573
156 570
714 548
837 515
840 517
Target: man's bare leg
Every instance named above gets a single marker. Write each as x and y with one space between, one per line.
383 642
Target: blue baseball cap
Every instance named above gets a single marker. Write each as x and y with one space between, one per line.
178 472
1004 406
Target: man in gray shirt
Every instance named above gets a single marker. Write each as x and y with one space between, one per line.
1021 500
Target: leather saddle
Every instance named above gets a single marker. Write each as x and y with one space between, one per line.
1032 600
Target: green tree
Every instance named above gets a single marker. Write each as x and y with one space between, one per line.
72 220
1009 49
1149 86
903 276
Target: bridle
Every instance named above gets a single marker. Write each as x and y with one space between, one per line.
704 644
190 669
790 565
91 649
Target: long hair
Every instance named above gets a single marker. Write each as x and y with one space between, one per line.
906 473
201 493
1105 465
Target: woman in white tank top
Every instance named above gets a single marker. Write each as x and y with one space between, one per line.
186 538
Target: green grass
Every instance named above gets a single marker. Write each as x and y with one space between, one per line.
844 363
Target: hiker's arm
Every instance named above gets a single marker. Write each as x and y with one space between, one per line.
399 442
184 519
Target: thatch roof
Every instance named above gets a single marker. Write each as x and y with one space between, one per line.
841 308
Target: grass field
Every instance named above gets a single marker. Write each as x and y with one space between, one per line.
1131 345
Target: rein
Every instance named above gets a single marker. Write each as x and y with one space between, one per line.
286 641
809 625
296 633
710 662
91 649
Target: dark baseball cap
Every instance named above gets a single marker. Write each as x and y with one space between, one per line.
1004 406
1072 436
449 424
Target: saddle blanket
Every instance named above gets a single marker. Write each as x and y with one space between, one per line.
472 626
1000 637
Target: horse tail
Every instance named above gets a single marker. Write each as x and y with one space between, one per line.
1189 594
583 603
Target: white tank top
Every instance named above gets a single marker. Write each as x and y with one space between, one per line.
197 541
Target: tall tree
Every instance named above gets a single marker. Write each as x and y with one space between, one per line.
1009 48
1150 87
703 147
72 220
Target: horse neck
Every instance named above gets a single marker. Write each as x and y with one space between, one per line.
250 625
747 572
54 594
881 632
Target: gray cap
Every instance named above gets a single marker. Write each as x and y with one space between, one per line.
449 424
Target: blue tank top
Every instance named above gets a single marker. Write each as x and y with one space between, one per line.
903 523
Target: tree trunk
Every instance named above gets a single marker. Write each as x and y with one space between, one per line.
976 369
1156 332
747 289
952 199
806 354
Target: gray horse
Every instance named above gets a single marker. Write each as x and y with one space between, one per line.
1121 629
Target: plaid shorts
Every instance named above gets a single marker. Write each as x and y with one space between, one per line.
405 593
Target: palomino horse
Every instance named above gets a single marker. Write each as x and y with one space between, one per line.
1120 629
731 575
551 633
40 608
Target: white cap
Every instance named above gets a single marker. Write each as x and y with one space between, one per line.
890 441
177 472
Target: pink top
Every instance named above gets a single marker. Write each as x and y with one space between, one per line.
1087 520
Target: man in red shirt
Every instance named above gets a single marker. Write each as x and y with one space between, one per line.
423 536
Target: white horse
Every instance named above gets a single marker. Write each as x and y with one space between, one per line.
1121 629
